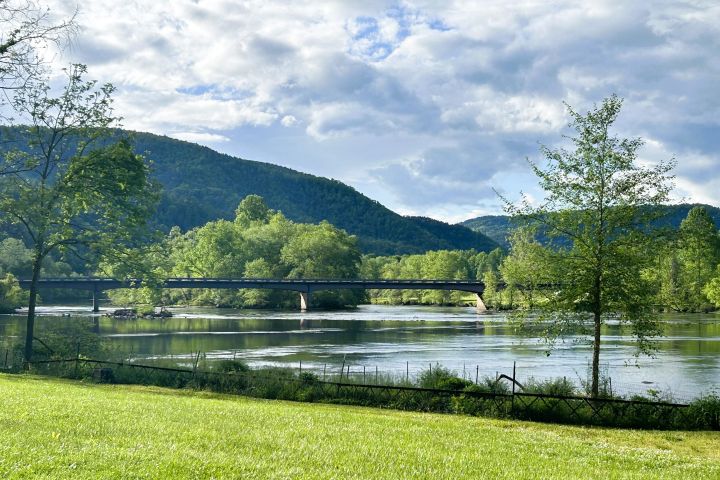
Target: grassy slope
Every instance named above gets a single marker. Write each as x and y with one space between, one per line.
57 429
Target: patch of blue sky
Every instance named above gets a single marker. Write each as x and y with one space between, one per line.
218 92
405 18
371 42
367 40
197 89
437 24
378 50
366 27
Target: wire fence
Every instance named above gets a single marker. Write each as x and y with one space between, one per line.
503 397
411 372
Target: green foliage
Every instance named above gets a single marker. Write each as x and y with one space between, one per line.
201 185
436 389
496 227
683 258
442 378
67 340
64 188
231 366
528 270
712 289
592 210
252 209
705 412
698 254
487 262
685 264
556 386
323 251
15 258
442 264
11 295
258 243
491 296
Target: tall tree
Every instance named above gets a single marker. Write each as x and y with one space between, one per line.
592 211
79 189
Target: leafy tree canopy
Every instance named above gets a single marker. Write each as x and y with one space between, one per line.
594 217
85 197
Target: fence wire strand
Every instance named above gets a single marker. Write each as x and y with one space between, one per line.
472 400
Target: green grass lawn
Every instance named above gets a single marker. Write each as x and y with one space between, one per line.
61 429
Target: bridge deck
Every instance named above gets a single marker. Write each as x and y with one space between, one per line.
298 285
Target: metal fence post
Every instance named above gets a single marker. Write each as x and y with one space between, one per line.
512 401
77 359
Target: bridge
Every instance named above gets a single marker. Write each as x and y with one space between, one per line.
305 287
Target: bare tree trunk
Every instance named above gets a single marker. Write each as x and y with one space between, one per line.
596 357
597 311
30 325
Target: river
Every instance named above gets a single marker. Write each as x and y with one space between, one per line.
404 338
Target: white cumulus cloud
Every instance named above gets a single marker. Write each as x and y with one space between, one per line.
416 96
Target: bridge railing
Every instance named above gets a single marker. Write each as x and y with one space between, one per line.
304 286
260 280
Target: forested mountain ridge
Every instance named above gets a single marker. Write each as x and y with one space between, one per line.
497 227
200 185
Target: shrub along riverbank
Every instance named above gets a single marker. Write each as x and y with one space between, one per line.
61 429
435 390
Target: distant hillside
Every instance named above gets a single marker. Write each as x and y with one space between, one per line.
460 236
497 227
201 185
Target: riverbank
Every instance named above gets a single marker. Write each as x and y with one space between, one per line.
63 429
392 340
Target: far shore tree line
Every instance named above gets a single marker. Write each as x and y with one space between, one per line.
683 271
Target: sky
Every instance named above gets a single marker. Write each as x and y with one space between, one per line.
430 107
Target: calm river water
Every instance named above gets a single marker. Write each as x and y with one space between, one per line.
396 338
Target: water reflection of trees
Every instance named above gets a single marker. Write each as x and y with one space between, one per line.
693 338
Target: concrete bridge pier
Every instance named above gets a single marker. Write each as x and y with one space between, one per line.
480 307
96 300
305 301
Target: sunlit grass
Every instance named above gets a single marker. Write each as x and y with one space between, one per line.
59 429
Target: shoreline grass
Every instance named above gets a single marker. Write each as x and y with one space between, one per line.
64 429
